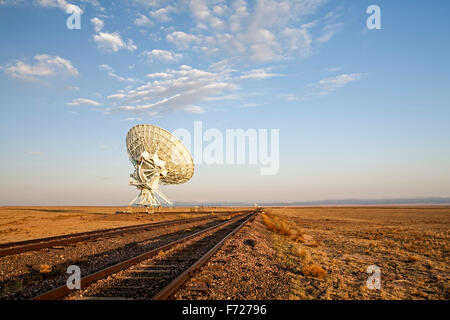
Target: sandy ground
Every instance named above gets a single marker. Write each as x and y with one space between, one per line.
23 223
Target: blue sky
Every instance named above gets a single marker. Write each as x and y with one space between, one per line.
361 113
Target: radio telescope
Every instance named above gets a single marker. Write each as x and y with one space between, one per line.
157 156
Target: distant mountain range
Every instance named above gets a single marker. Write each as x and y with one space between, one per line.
344 202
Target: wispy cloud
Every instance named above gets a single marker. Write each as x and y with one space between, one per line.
96 4
180 89
324 87
194 109
54 4
83 101
117 96
71 88
328 85
162 55
251 34
60 4
98 24
163 75
110 71
163 14
258 74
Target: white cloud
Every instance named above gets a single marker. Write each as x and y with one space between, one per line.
112 42
98 24
11 2
259 30
143 21
164 75
181 89
325 86
110 71
162 14
116 96
95 3
240 14
83 101
224 65
45 66
182 39
265 31
297 40
162 55
220 10
328 32
205 16
258 74
149 3
71 88
61 4
194 109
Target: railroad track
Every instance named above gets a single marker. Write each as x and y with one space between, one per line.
42 243
158 273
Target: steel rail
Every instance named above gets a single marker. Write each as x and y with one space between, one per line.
172 287
189 212
24 242
63 236
101 274
42 243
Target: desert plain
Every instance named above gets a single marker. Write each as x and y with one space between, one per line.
289 252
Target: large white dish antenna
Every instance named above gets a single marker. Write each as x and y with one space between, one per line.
157 156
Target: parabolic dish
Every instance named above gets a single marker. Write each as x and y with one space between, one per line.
155 140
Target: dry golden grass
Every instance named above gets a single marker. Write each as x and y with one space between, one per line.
409 244
412 259
45 268
311 270
276 225
298 238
